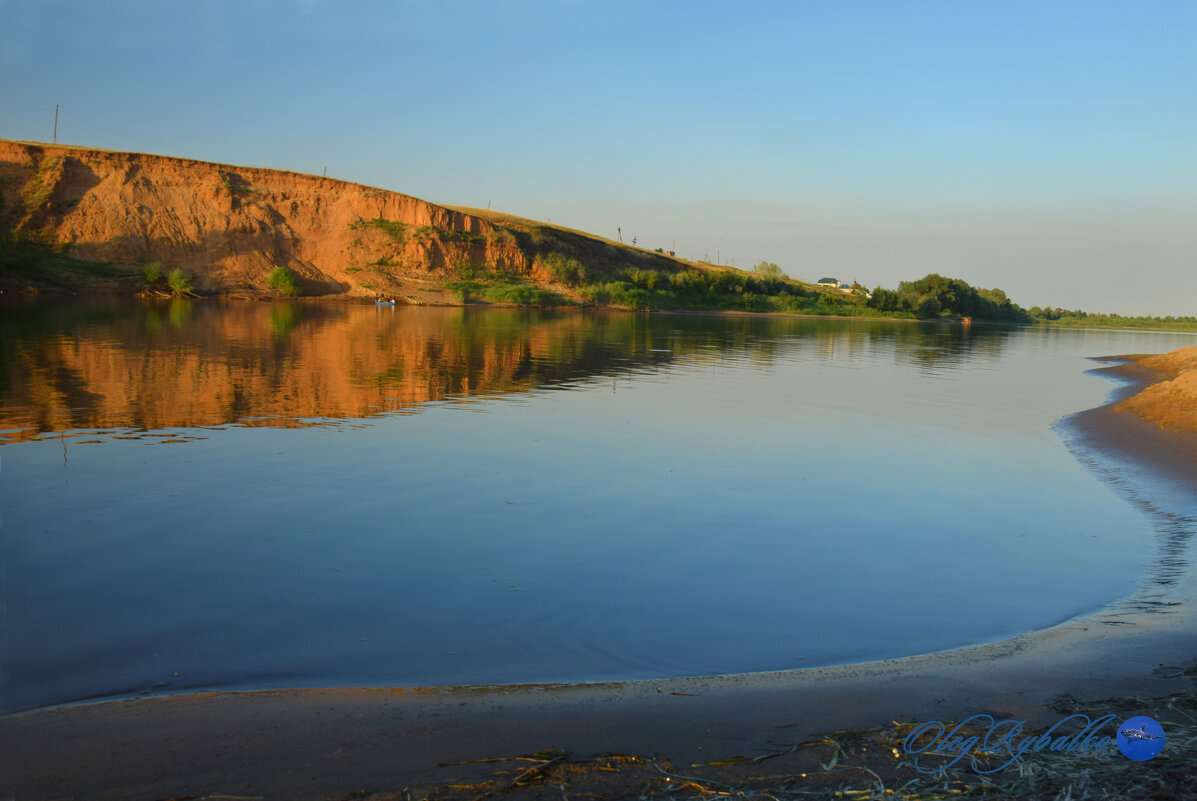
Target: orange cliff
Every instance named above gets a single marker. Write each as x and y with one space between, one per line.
228 227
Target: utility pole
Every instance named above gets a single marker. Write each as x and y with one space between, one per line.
619 231
326 172
55 123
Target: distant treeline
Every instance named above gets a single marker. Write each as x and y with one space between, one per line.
1051 316
768 289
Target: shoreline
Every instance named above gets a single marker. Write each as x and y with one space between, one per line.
325 743
361 300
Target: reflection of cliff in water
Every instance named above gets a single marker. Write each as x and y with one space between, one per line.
104 364
110 363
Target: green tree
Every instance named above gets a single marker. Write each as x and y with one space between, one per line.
886 300
769 270
956 298
563 269
179 283
282 281
928 306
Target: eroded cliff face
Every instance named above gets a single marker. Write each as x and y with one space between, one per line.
228 227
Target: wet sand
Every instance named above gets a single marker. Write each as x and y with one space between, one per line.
324 744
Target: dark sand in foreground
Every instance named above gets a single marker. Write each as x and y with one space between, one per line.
324 744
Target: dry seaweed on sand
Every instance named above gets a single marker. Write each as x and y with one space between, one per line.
854 765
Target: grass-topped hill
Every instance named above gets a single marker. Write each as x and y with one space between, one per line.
583 268
576 267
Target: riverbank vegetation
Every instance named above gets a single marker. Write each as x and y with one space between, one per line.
159 283
695 289
766 289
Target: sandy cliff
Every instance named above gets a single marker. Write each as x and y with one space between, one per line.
228 227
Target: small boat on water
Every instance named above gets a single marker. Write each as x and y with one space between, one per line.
381 302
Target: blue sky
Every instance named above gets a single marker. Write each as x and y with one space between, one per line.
1048 148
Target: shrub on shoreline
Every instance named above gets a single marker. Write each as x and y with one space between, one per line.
179 283
283 281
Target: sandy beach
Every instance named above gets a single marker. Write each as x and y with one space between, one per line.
327 744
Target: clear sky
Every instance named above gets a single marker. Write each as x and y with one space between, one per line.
1047 147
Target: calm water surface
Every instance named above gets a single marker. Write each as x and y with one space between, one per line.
211 496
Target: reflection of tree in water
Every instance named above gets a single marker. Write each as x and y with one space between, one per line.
932 347
179 312
99 363
927 346
283 317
